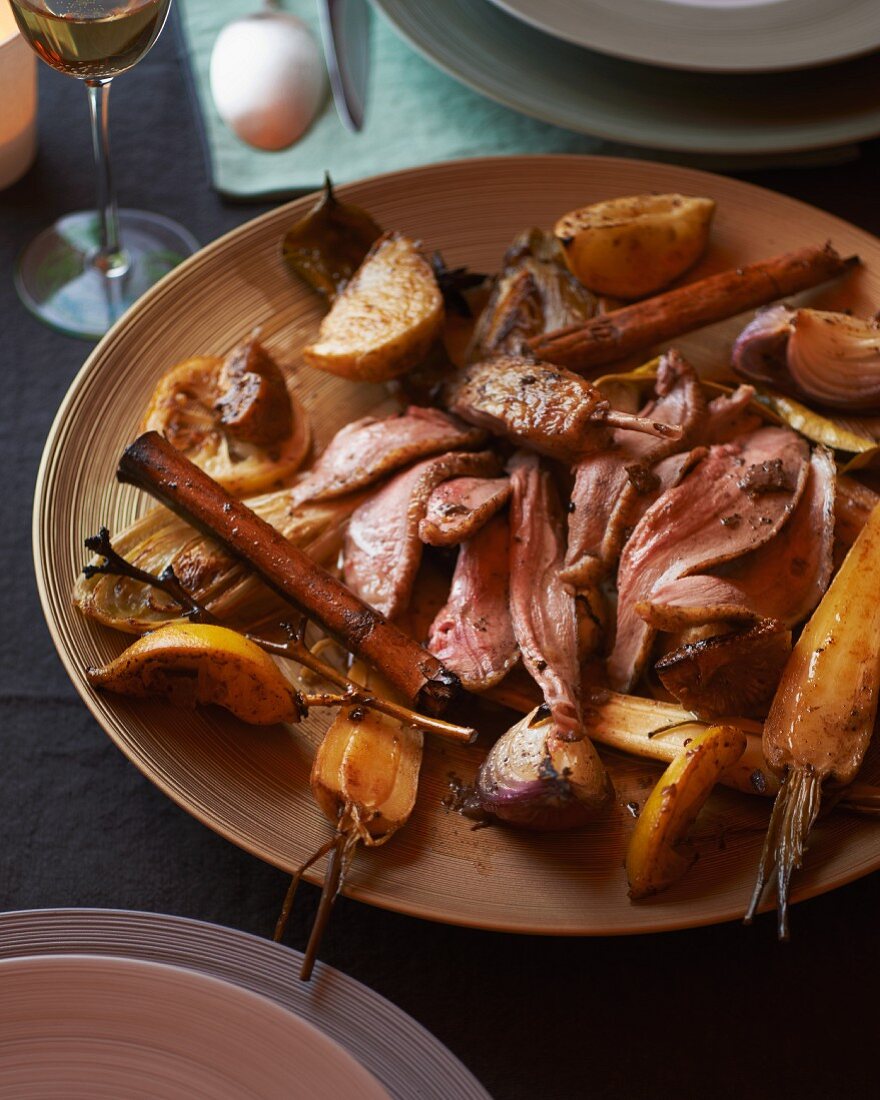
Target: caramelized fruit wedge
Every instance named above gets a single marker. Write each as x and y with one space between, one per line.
630 247
329 244
385 320
236 418
658 853
192 663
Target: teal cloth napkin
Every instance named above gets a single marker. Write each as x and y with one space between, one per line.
416 114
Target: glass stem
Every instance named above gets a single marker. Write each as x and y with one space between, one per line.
110 257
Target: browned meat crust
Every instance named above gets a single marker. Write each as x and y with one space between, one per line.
254 404
729 674
459 508
367 449
546 409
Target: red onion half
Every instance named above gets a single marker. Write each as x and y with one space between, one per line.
832 359
534 780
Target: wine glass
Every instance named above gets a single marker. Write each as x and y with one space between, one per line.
83 272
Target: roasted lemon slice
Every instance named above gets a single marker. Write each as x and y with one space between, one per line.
235 418
633 246
192 663
386 318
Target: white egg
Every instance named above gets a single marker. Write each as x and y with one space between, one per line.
267 78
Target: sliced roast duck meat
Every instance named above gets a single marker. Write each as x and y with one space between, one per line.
728 416
382 548
734 501
608 485
544 408
367 449
459 508
668 473
587 575
783 580
473 634
725 419
678 397
542 606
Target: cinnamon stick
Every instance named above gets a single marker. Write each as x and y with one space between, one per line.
152 464
665 316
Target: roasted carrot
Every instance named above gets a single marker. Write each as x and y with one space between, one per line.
823 713
365 778
625 331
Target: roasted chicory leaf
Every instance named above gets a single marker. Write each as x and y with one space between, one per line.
851 436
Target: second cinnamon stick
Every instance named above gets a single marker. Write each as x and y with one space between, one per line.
665 316
152 464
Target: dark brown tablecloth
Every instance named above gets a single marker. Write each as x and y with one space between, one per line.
715 1012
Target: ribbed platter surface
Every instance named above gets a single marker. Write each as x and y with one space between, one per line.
251 785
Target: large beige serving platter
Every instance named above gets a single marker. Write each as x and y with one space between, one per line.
251 785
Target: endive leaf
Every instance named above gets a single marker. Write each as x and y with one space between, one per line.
208 572
628 392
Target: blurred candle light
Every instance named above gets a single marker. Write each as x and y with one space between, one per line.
18 100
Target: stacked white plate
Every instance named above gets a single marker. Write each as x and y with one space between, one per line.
105 1005
723 77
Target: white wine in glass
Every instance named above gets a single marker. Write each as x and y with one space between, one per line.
82 273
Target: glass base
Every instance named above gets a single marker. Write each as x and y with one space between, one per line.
58 281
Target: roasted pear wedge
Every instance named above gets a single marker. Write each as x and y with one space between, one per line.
386 318
234 417
192 663
630 247
657 854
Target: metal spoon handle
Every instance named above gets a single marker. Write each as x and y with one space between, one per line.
345 31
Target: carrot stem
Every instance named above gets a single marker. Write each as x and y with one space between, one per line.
296 878
333 878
